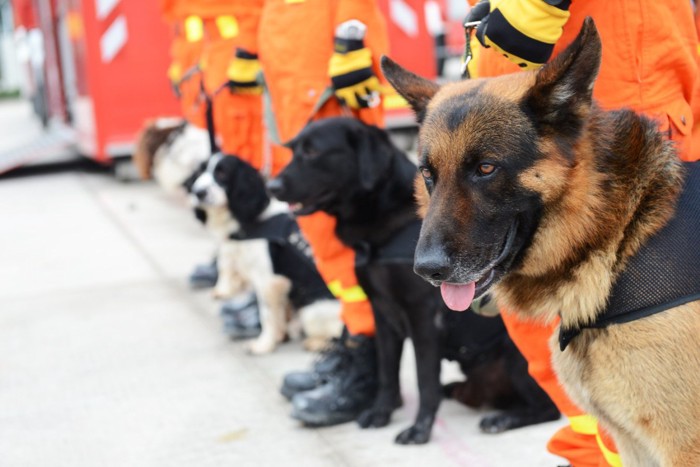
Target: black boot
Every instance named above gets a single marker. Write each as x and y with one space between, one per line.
350 389
330 359
241 317
204 276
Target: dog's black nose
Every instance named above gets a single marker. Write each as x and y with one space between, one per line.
201 194
275 186
433 265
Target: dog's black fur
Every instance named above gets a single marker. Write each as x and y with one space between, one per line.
199 214
352 171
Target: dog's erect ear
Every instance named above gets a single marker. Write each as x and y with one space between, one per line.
563 89
416 90
374 153
246 192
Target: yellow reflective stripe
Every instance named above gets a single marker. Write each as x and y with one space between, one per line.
175 72
588 425
341 64
335 287
611 457
353 294
242 70
294 1
584 424
395 101
228 26
194 29
350 295
536 19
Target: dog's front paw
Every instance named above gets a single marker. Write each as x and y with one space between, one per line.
220 293
375 418
498 423
508 420
315 344
261 346
417 434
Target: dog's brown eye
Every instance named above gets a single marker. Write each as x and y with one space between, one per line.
426 172
486 169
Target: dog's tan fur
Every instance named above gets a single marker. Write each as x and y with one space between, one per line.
641 379
232 279
152 136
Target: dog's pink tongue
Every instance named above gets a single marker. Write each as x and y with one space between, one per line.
458 297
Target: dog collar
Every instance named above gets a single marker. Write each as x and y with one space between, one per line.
401 248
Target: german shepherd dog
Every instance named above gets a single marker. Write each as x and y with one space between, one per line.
534 193
353 172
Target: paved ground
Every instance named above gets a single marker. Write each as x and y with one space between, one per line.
107 359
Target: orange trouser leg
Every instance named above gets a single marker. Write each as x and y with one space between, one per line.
191 101
577 443
335 263
580 449
238 122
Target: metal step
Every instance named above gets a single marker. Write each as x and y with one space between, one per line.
56 144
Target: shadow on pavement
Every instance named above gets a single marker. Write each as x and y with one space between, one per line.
82 165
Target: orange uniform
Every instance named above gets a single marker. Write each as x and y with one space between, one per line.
295 45
649 64
237 117
207 35
695 154
185 52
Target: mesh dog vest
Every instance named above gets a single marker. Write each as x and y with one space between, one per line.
291 257
665 272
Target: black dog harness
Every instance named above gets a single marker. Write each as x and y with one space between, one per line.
400 249
291 257
665 272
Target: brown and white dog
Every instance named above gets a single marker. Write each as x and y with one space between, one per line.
169 150
533 193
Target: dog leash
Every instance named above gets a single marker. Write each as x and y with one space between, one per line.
467 56
209 115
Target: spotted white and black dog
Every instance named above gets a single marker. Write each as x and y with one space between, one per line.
262 248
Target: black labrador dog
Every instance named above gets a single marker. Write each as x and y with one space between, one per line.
353 172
